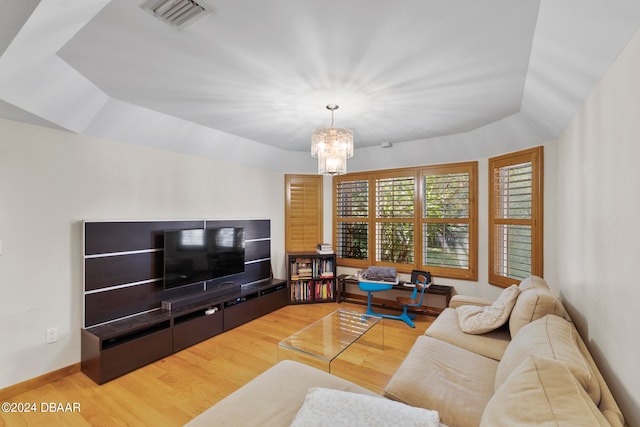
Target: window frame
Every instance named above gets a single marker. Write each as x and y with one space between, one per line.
417 173
377 220
535 156
471 168
351 262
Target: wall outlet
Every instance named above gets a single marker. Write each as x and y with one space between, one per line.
52 335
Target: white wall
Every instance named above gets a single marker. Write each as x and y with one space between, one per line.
598 209
51 180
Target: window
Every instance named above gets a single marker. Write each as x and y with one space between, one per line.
515 216
352 229
395 219
411 218
449 220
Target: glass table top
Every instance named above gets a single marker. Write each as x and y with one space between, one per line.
326 338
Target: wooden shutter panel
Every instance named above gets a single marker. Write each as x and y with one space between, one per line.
447 216
515 216
303 212
395 219
351 220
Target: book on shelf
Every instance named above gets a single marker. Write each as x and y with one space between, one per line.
323 267
324 248
301 268
305 272
301 291
325 291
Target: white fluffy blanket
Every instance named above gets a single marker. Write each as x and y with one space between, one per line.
325 407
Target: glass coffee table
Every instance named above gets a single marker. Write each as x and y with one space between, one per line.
323 341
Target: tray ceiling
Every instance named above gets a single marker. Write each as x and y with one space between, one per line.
264 70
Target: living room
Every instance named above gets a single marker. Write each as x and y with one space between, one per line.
70 155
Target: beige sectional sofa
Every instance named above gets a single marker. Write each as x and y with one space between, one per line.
534 370
489 379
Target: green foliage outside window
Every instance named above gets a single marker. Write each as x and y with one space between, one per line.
446 197
418 218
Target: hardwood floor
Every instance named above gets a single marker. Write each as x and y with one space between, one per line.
175 389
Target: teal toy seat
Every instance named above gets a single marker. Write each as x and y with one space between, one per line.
422 280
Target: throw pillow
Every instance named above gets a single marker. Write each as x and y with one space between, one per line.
479 320
541 391
336 408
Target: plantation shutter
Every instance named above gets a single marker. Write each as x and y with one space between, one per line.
516 217
303 212
448 221
352 219
395 219
410 218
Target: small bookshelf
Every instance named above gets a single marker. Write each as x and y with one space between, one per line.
311 277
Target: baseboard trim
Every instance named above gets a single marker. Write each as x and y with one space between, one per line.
36 382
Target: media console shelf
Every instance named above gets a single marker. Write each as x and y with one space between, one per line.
113 349
131 318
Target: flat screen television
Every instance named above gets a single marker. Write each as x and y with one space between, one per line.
192 256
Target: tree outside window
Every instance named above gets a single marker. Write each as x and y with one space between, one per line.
411 218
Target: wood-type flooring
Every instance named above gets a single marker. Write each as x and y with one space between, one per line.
173 390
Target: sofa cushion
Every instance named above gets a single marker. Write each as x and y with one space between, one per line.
532 304
334 408
554 338
440 376
533 282
541 392
446 328
479 320
273 397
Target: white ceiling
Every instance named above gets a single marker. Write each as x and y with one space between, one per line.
264 70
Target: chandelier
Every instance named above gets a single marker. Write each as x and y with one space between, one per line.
332 147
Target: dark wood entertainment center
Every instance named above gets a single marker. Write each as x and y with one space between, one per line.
130 320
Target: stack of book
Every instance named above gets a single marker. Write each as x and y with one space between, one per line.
324 248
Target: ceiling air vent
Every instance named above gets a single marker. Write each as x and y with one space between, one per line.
177 13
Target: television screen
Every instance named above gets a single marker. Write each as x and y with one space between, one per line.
192 256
